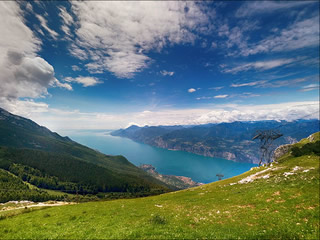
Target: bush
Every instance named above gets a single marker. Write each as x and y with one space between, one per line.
157 219
307 149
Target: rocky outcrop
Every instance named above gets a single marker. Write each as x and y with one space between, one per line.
178 182
281 150
311 138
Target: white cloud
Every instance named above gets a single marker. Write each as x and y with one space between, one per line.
26 108
248 95
56 119
75 68
237 36
300 34
118 35
66 17
221 96
265 7
284 111
85 81
29 7
217 88
94 68
249 84
44 24
260 65
191 90
310 87
203 98
22 72
165 73
274 84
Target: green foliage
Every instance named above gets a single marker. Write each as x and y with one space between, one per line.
274 207
306 149
47 160
13 188
65 173
157 219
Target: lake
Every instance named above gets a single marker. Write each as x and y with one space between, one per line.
199 168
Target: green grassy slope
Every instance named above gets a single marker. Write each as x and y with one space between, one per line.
274 202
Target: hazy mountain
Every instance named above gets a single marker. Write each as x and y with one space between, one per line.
232 141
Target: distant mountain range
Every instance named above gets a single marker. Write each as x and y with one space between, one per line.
49 161
232 141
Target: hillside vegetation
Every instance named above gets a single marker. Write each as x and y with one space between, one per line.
45 159
280 201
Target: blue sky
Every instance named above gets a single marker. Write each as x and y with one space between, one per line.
111 64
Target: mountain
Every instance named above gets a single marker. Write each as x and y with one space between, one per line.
48 160
232 141
278 201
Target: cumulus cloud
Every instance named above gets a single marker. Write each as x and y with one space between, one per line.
75 68
284 111
191 90
22 73
118 35
85 81
166 73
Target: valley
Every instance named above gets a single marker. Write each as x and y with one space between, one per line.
277 201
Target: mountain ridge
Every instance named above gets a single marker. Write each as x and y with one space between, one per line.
232 141
50 161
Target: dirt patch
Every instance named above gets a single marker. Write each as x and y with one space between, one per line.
246 206
276 193
28 204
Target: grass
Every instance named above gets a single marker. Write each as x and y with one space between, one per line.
277 207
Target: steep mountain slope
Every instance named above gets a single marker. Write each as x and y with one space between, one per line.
280 201
232 141
65 164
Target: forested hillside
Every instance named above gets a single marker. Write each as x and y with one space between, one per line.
49 161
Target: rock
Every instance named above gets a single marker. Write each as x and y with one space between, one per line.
311 138
281 150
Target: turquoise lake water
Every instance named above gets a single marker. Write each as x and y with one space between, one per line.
199 168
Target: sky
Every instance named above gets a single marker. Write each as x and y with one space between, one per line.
108 65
